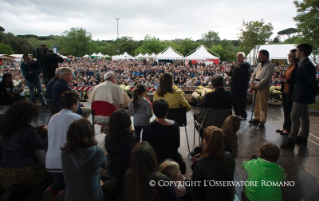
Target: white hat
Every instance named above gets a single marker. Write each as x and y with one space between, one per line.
108 75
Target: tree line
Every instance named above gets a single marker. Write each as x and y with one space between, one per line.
78 41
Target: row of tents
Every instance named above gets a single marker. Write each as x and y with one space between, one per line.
200 54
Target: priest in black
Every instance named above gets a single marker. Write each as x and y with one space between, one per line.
240 75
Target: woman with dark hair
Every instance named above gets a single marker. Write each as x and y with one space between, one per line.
165 91
230 127
81 163
19 139
144 168
164 135
286 78
140 108
7 95
214 164
119 143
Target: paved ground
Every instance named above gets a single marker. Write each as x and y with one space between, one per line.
300 165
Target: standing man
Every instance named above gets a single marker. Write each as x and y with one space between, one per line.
305 90
240 74
30 72
260 81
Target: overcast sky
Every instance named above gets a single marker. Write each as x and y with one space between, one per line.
165 19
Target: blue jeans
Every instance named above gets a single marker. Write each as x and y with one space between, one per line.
58 183
31 86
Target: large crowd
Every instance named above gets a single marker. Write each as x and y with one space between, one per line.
144 163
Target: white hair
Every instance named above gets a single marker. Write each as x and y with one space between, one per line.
57 71
65 70
242 53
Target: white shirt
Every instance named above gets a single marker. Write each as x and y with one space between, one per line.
57 130
111 93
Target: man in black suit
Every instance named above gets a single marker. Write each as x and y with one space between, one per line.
240 75
220 98
305 90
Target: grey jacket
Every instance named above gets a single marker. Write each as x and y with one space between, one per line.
264 74
143 113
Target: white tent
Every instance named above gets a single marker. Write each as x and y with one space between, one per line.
276 51
86 56
17 57
153 56
170 54
139 56
124 56
100 54
201 53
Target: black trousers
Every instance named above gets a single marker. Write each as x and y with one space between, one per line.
138 130
240 101
287 104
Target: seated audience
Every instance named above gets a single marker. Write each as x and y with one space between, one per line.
81 163
230 127
52 82
214 164
164 135
63 85
58 127
110 92
119 143
165 91
19 139
264 169
7 95
143 169
140 109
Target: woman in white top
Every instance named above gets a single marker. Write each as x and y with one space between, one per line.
57 130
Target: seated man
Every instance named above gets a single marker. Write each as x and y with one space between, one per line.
63 85
52 82
110 92
220 98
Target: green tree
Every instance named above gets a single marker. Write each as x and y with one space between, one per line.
307 23
18 45
2 29
253 34
290 32
76 42
210 38
188 45
150 44
6 49
226 50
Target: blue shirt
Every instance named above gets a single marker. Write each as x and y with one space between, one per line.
59 87
30 77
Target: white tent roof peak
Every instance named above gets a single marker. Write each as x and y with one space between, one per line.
153 55
146 55
201 53
170 53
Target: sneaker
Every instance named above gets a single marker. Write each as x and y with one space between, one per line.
60 196
49 194
301 140
254 121
289 144
261 124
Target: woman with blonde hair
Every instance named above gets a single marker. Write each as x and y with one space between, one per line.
166 91
213 164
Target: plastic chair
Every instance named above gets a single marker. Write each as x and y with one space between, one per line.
102 109
179 115
213 117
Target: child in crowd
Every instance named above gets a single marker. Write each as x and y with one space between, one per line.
230 127
170 169
263 170
140 108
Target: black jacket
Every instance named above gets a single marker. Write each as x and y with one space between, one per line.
213 168
219 99
50 85
240 76
18 149
49 66
305 83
